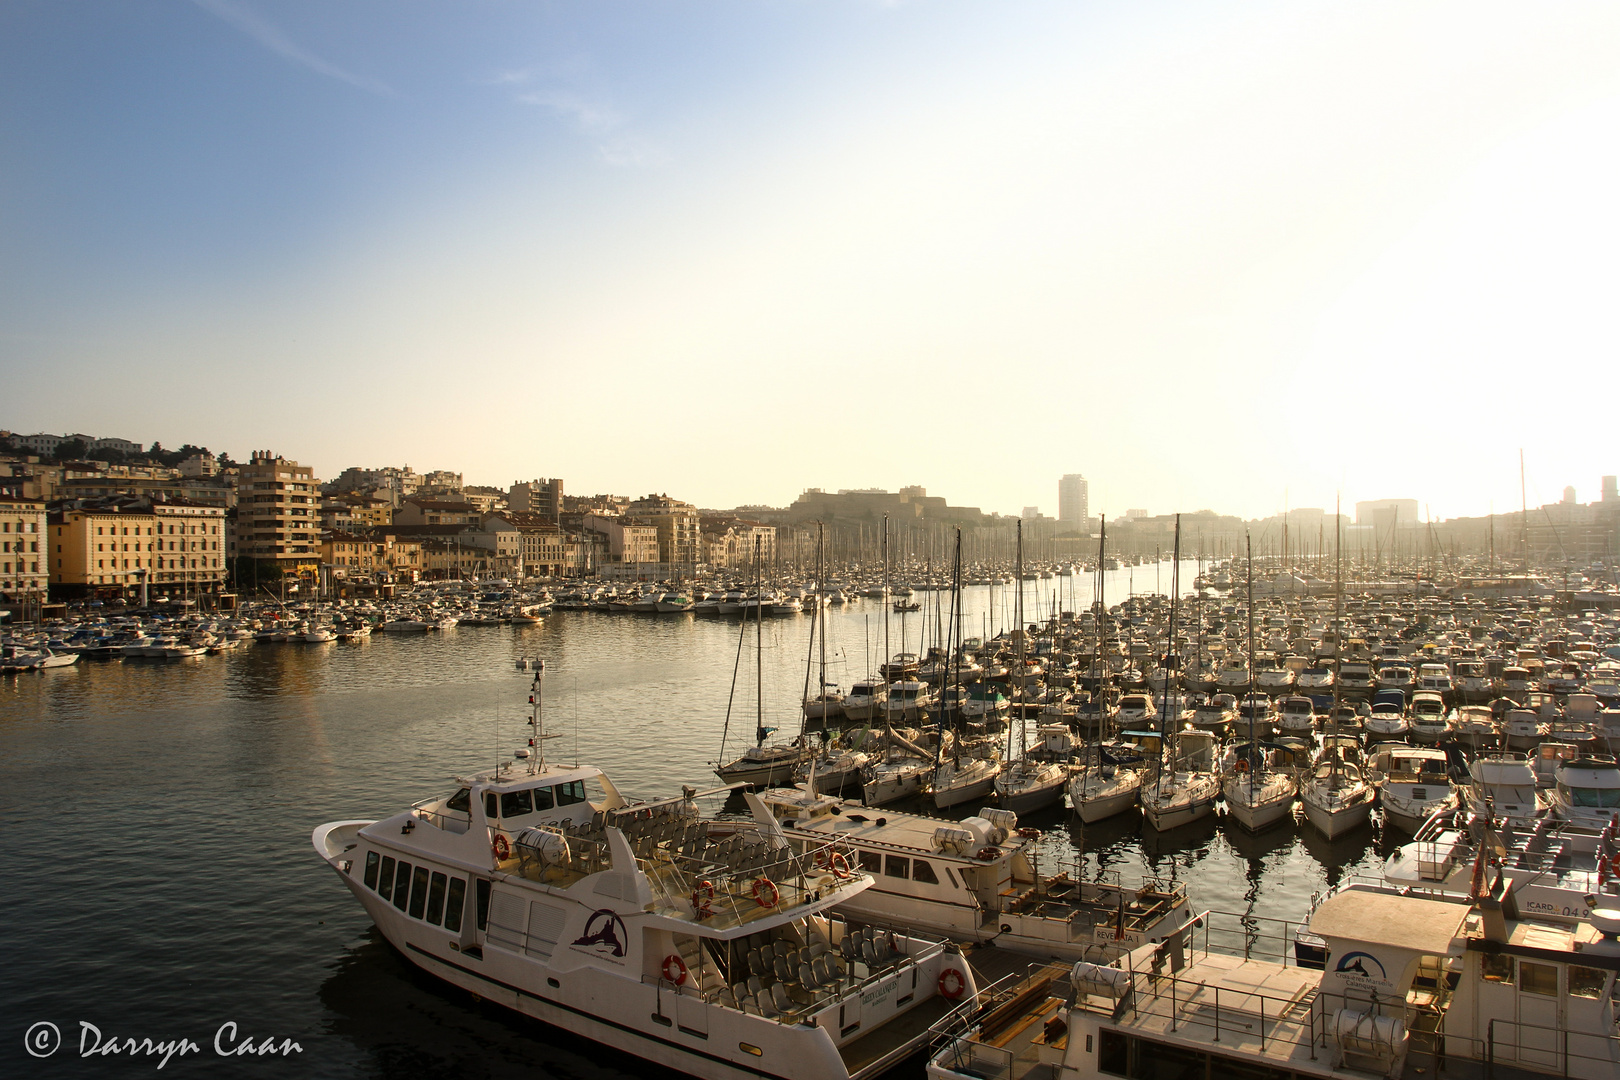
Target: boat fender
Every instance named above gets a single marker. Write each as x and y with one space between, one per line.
675 969
988 853
765 892
502 847
952 984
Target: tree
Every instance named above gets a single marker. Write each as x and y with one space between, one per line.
72 450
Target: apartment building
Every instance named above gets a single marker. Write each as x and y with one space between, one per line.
24 569
677 525
543 550
627 542
278 512
114 546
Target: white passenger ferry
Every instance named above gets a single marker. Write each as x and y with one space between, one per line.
973 880
699 945
1414 986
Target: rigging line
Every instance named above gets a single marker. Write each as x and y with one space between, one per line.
735 668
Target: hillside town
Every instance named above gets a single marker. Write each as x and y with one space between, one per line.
92 518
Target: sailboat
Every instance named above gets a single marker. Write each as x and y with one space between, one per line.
1257 793
828 701
1335 793
1109 783
760 765
1187 785
969 773
1026 784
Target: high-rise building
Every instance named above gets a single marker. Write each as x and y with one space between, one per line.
278 512
1608 489
1074 498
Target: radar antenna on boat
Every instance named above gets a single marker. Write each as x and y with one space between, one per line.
535 751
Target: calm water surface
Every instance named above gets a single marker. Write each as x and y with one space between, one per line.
155 821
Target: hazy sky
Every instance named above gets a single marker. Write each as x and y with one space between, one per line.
1210 255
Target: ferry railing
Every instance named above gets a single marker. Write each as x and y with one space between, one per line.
1505 1042
1250 936
971 1055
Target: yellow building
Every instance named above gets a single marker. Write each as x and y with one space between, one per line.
118 545
23 566
363 558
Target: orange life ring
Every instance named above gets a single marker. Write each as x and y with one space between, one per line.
840 865
675 969
764 887
952 984
988 853
1029 833
1241 766
503 847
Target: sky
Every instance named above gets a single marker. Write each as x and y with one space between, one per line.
1235 256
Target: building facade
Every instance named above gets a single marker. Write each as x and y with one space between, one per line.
542 497
677 525
1074 500
278 513
119 546
24 549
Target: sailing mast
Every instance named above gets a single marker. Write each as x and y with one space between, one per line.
1248 545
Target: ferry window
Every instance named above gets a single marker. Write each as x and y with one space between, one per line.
924 872
1538 979
1498 968
454 902
482 914
491 804
542 798
1111 1053
1585 982
435 901
1228 1069
570 793
419 890
372 859
1157 1061
871 862
895 866
402 885
385 884
461 800
514 803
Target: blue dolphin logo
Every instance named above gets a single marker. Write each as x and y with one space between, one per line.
1356 964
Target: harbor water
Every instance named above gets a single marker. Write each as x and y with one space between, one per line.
156 816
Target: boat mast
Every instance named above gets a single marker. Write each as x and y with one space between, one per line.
1018 608
759 647
1248 545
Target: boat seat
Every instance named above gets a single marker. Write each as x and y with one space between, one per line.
756 963
824 970
782 969
781 999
